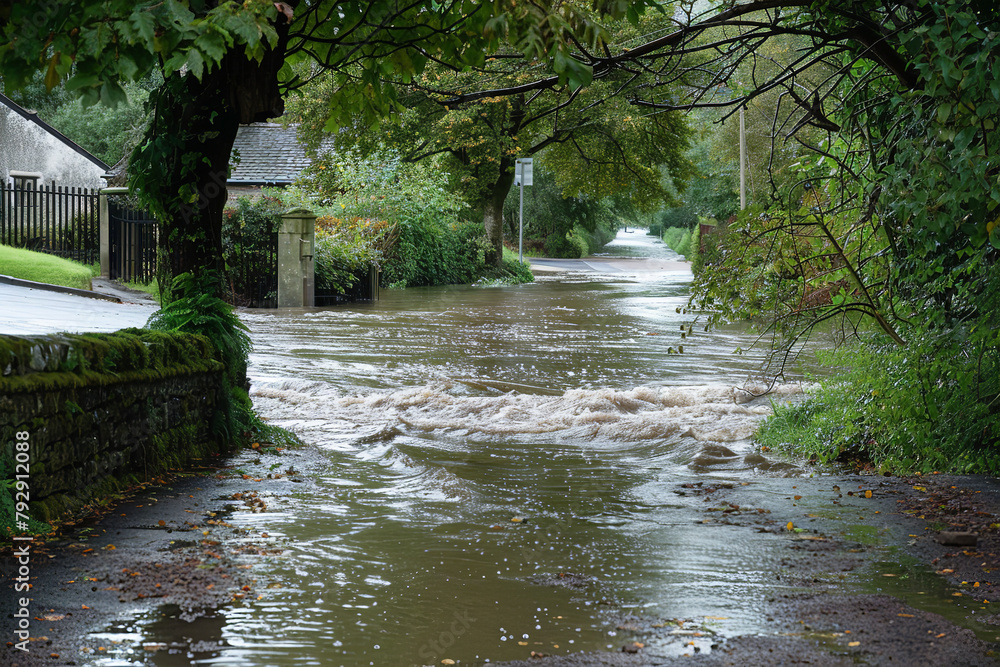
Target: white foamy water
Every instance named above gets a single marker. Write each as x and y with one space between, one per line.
703 412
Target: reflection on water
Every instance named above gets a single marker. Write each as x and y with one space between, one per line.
500 475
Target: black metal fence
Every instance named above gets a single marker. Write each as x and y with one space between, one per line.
132 237
364 289
58 220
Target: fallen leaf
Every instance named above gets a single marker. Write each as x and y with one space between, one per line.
790 526
905 615
854 643
798 497
447 661
868 493
161 522
939 636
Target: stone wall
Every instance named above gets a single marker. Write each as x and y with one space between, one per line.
104 411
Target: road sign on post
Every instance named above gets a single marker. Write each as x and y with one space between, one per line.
522 176
522 171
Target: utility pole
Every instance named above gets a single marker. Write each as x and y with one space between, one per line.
743 162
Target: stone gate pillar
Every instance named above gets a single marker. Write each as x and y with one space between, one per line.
296 271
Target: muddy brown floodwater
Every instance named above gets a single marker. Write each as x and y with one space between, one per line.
521 475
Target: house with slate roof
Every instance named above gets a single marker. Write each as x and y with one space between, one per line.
33 153
264 155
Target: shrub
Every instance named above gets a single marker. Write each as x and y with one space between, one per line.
578 238
683 241
430 253
929 406
346 249
559 245
601 235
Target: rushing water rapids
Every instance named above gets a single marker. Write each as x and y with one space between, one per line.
498 471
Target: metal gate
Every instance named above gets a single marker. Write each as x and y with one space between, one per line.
132 237
252 265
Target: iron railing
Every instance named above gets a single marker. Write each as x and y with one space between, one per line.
62 221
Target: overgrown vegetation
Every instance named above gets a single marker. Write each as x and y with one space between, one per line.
401 218
684 242
195 309
248 244
347 249
883 218
927 406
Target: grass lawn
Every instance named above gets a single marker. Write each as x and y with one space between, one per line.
42 268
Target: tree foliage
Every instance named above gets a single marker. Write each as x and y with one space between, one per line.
591 140
881 208
225 62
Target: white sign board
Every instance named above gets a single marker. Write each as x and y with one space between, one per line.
522 171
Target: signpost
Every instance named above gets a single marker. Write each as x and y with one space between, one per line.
522 177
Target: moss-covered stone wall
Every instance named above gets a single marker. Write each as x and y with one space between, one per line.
104 411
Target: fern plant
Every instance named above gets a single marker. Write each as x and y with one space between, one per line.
196 308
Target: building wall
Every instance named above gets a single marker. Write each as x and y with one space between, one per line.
26 146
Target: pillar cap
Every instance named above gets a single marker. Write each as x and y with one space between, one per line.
298 212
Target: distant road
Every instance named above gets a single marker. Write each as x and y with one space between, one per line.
622 265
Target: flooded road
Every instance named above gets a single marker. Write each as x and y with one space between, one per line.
501 471
496 473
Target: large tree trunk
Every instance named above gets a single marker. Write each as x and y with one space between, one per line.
493 204
188 148
493 210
